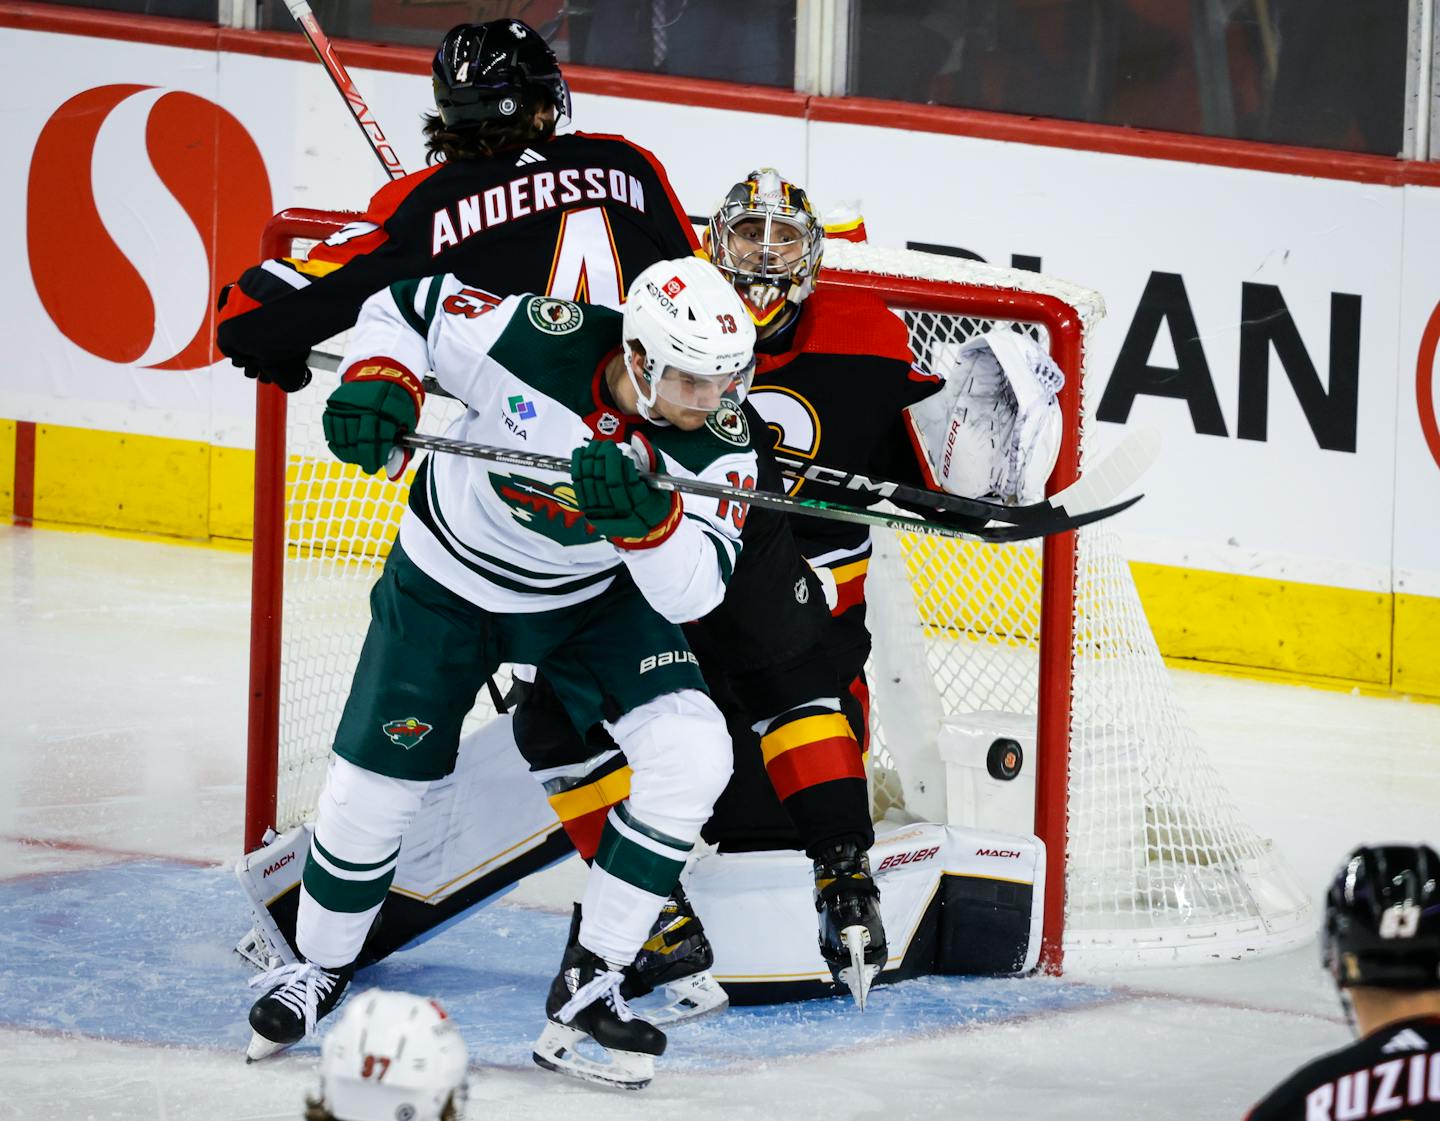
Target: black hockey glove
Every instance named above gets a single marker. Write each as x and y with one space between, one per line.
290 373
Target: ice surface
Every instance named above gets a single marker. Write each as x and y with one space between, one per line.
124 693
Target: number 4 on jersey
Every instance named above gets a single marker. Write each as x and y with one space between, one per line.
587 266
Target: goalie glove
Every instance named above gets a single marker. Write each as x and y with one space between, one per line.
378 401
993 431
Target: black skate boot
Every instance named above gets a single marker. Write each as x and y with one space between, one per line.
299 996
677 956
852 936
585 1003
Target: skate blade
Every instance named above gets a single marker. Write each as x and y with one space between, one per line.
261 1048
556 1050
687 999
857 976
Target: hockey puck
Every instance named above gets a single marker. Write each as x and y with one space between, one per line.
1004 759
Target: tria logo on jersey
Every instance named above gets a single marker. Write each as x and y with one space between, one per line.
521 408
122 254
408 732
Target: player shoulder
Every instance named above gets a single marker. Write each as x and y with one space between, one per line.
1320 1078
594 145
389 198
846 321
556 345
721 443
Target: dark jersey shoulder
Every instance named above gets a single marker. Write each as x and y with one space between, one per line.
560 348
725 432
576 217
833 392
846 321
1394 1072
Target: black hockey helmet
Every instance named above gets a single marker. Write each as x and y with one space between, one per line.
496 71
1382 919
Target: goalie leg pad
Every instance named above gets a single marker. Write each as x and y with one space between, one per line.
361 819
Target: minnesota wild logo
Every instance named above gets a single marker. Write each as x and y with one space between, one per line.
408 732
548 509
728 422
554 317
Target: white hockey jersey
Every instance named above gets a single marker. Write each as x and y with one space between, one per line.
531 371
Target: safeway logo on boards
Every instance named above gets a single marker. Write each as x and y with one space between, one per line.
1425 384
140 203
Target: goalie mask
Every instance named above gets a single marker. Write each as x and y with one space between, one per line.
1382 919
767 241
393 1055
501 71
691 330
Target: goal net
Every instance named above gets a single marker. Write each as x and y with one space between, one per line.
1047 638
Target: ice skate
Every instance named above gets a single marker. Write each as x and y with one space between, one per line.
852 936
675 959
297 998
585 1005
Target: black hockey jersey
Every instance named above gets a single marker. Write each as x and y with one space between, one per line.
576 217
833 389
1393 1073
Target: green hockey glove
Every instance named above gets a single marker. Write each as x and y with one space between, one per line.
375 404
617 501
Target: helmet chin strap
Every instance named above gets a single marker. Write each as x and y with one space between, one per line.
644 403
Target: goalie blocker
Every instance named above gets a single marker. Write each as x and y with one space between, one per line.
954 900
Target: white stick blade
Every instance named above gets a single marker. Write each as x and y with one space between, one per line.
1106 483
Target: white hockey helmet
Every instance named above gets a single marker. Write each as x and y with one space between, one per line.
392 1055
767 241
698 343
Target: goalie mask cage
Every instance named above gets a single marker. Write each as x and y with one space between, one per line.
1158 865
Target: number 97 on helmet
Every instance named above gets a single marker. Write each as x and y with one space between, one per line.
391 1057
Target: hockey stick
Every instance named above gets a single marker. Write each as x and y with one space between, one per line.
325 52
1101 485
1059 522
1091 498
1098 491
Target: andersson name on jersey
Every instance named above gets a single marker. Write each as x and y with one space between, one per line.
531 194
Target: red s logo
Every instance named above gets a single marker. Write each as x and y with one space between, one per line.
105 237
1425 384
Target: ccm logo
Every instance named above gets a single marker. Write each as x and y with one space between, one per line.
1009 854
906 858
669 658
284 860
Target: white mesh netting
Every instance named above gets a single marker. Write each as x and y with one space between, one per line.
1160 866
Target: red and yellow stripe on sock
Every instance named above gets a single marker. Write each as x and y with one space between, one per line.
582 809
810 748
849 584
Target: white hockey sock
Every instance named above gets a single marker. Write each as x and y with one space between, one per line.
635 869
680 755
361 819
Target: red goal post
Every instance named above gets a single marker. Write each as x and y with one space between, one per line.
323 520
